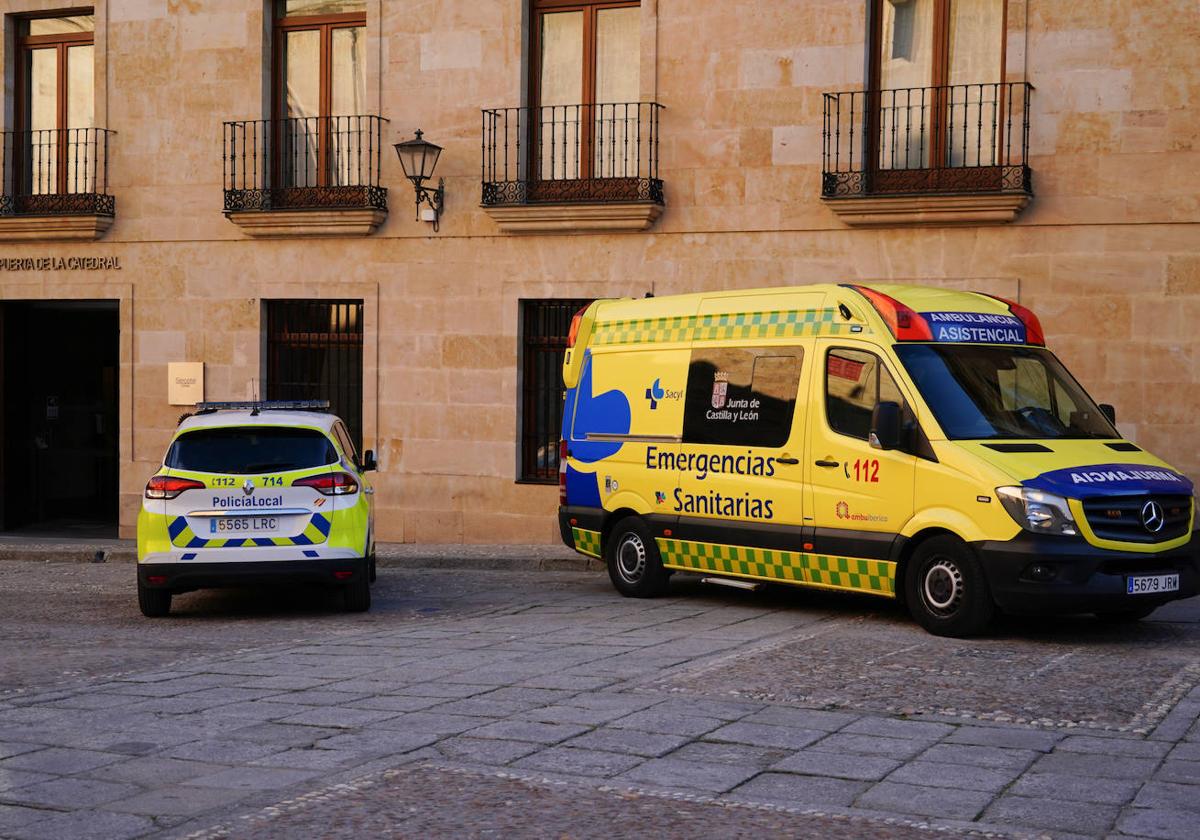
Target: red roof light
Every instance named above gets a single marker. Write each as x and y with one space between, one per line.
1033 327
904 323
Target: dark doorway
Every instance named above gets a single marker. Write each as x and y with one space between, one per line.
58 417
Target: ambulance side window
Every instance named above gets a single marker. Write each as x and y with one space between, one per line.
854 382
741 396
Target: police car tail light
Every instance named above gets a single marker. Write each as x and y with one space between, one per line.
562 472
904 323
1038 511
329 484
168 487
1033 327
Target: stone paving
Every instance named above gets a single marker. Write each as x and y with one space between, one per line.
543 704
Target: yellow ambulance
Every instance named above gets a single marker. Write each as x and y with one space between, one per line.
900 441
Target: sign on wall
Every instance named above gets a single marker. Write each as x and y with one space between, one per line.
185 383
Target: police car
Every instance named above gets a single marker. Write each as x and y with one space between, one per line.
256 493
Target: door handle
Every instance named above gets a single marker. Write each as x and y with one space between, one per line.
825 463
786 460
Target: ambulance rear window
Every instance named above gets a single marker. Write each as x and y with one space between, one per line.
250 450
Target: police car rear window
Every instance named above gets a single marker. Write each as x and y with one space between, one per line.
250 450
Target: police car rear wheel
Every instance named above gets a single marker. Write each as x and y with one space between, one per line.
634 564
946 590
356 595
154 603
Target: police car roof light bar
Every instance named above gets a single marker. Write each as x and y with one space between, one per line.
904 323
1033 327
264 405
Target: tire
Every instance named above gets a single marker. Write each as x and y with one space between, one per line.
634 564
371 573
946 591
154 603
1126 616
357 594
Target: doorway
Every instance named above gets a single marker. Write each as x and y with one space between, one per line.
59 375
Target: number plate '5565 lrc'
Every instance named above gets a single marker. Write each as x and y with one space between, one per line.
243 523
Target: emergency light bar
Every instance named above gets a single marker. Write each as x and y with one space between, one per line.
265 405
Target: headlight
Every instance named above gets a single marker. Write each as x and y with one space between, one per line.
1037 511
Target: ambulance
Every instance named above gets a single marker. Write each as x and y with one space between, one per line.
905 442
257 493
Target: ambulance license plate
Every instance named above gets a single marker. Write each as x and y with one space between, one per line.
1151 584
240 524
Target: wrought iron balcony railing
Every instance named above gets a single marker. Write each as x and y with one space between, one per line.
55 172
606 152
304 163
952 139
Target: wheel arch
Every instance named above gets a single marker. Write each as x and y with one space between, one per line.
908 548
610 522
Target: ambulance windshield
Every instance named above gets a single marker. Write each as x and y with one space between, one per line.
985 392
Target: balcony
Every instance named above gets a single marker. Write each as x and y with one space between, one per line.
305 176
571 168
54 185
956 154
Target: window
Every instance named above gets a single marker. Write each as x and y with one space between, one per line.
855 381
315 352
938 65
320 92
343 437
586 84
56 106
741 396
979 392
250 450
544 325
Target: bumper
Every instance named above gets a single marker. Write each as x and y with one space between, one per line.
1085 578
186 576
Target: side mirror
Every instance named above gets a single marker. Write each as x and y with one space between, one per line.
885 426
368 461
1109 412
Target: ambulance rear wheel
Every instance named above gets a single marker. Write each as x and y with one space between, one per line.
946 591
154 603
634 564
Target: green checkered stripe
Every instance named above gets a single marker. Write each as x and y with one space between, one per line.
744 325
586 542
876 577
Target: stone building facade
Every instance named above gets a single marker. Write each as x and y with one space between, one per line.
1042 150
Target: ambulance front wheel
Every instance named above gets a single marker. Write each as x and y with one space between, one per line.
634 564
946 591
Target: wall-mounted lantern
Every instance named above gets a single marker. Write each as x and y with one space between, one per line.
419 157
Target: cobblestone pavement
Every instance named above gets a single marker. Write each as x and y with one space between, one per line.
533 704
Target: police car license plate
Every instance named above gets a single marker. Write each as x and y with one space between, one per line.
242 524
1150 584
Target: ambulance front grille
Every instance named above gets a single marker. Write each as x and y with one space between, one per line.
1120 518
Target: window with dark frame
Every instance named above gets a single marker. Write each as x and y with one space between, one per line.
54 149
741 396
855 382
319 92
544 326
314 351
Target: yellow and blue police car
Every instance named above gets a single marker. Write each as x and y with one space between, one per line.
257 493
906 442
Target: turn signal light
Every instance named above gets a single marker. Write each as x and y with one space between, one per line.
329 484
168 487
904 323
573 333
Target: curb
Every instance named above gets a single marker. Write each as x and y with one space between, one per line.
540 558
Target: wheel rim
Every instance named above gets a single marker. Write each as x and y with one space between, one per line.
942 587
631 558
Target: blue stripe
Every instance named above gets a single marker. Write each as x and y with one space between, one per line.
188 556
176 526
301 540
323 524
263 541
311 554
196 543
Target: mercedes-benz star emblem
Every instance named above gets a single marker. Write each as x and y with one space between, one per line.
248 487
1152 517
